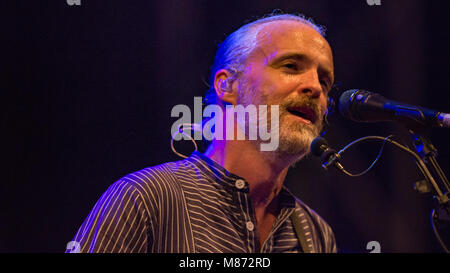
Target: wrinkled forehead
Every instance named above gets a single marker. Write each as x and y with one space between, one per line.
277 36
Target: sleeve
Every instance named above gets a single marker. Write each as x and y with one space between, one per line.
117 223
329 239
323 235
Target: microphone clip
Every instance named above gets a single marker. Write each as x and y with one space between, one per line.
331 158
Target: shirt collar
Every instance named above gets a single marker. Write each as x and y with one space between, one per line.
218 174
214 171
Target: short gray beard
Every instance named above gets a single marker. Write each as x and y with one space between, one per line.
294 137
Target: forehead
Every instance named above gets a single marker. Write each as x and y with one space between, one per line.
291 36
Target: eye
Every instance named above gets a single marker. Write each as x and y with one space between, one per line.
325 81
291 66
325 85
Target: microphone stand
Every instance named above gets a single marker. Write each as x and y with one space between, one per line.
435 182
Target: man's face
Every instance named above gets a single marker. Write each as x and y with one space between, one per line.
291 66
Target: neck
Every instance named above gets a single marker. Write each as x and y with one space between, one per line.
264 171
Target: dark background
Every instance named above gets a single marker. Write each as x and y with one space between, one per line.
87 91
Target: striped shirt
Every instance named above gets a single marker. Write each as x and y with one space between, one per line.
194 206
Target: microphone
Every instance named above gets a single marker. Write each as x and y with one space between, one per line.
364 106
328 156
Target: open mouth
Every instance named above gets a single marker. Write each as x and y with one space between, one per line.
305 113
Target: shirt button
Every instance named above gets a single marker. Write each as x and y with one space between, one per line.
250 226
240 184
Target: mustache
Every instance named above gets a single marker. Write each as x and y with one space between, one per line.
303 102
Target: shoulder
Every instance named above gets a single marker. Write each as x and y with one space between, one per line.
154 176
320 227
301 207
318 220
156 182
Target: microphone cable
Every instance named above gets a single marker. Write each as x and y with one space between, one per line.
360 140
181 128
436 233
434 212
367 138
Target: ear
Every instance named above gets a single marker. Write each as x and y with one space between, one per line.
225 86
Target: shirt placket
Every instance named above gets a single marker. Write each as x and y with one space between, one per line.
248 217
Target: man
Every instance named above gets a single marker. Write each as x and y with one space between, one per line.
231 198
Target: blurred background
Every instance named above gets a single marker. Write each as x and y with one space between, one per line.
87 92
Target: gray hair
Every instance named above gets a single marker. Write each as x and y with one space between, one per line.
232 53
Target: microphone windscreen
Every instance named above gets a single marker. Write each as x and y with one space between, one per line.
344 103
316 146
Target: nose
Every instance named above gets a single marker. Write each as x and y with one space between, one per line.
311 84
